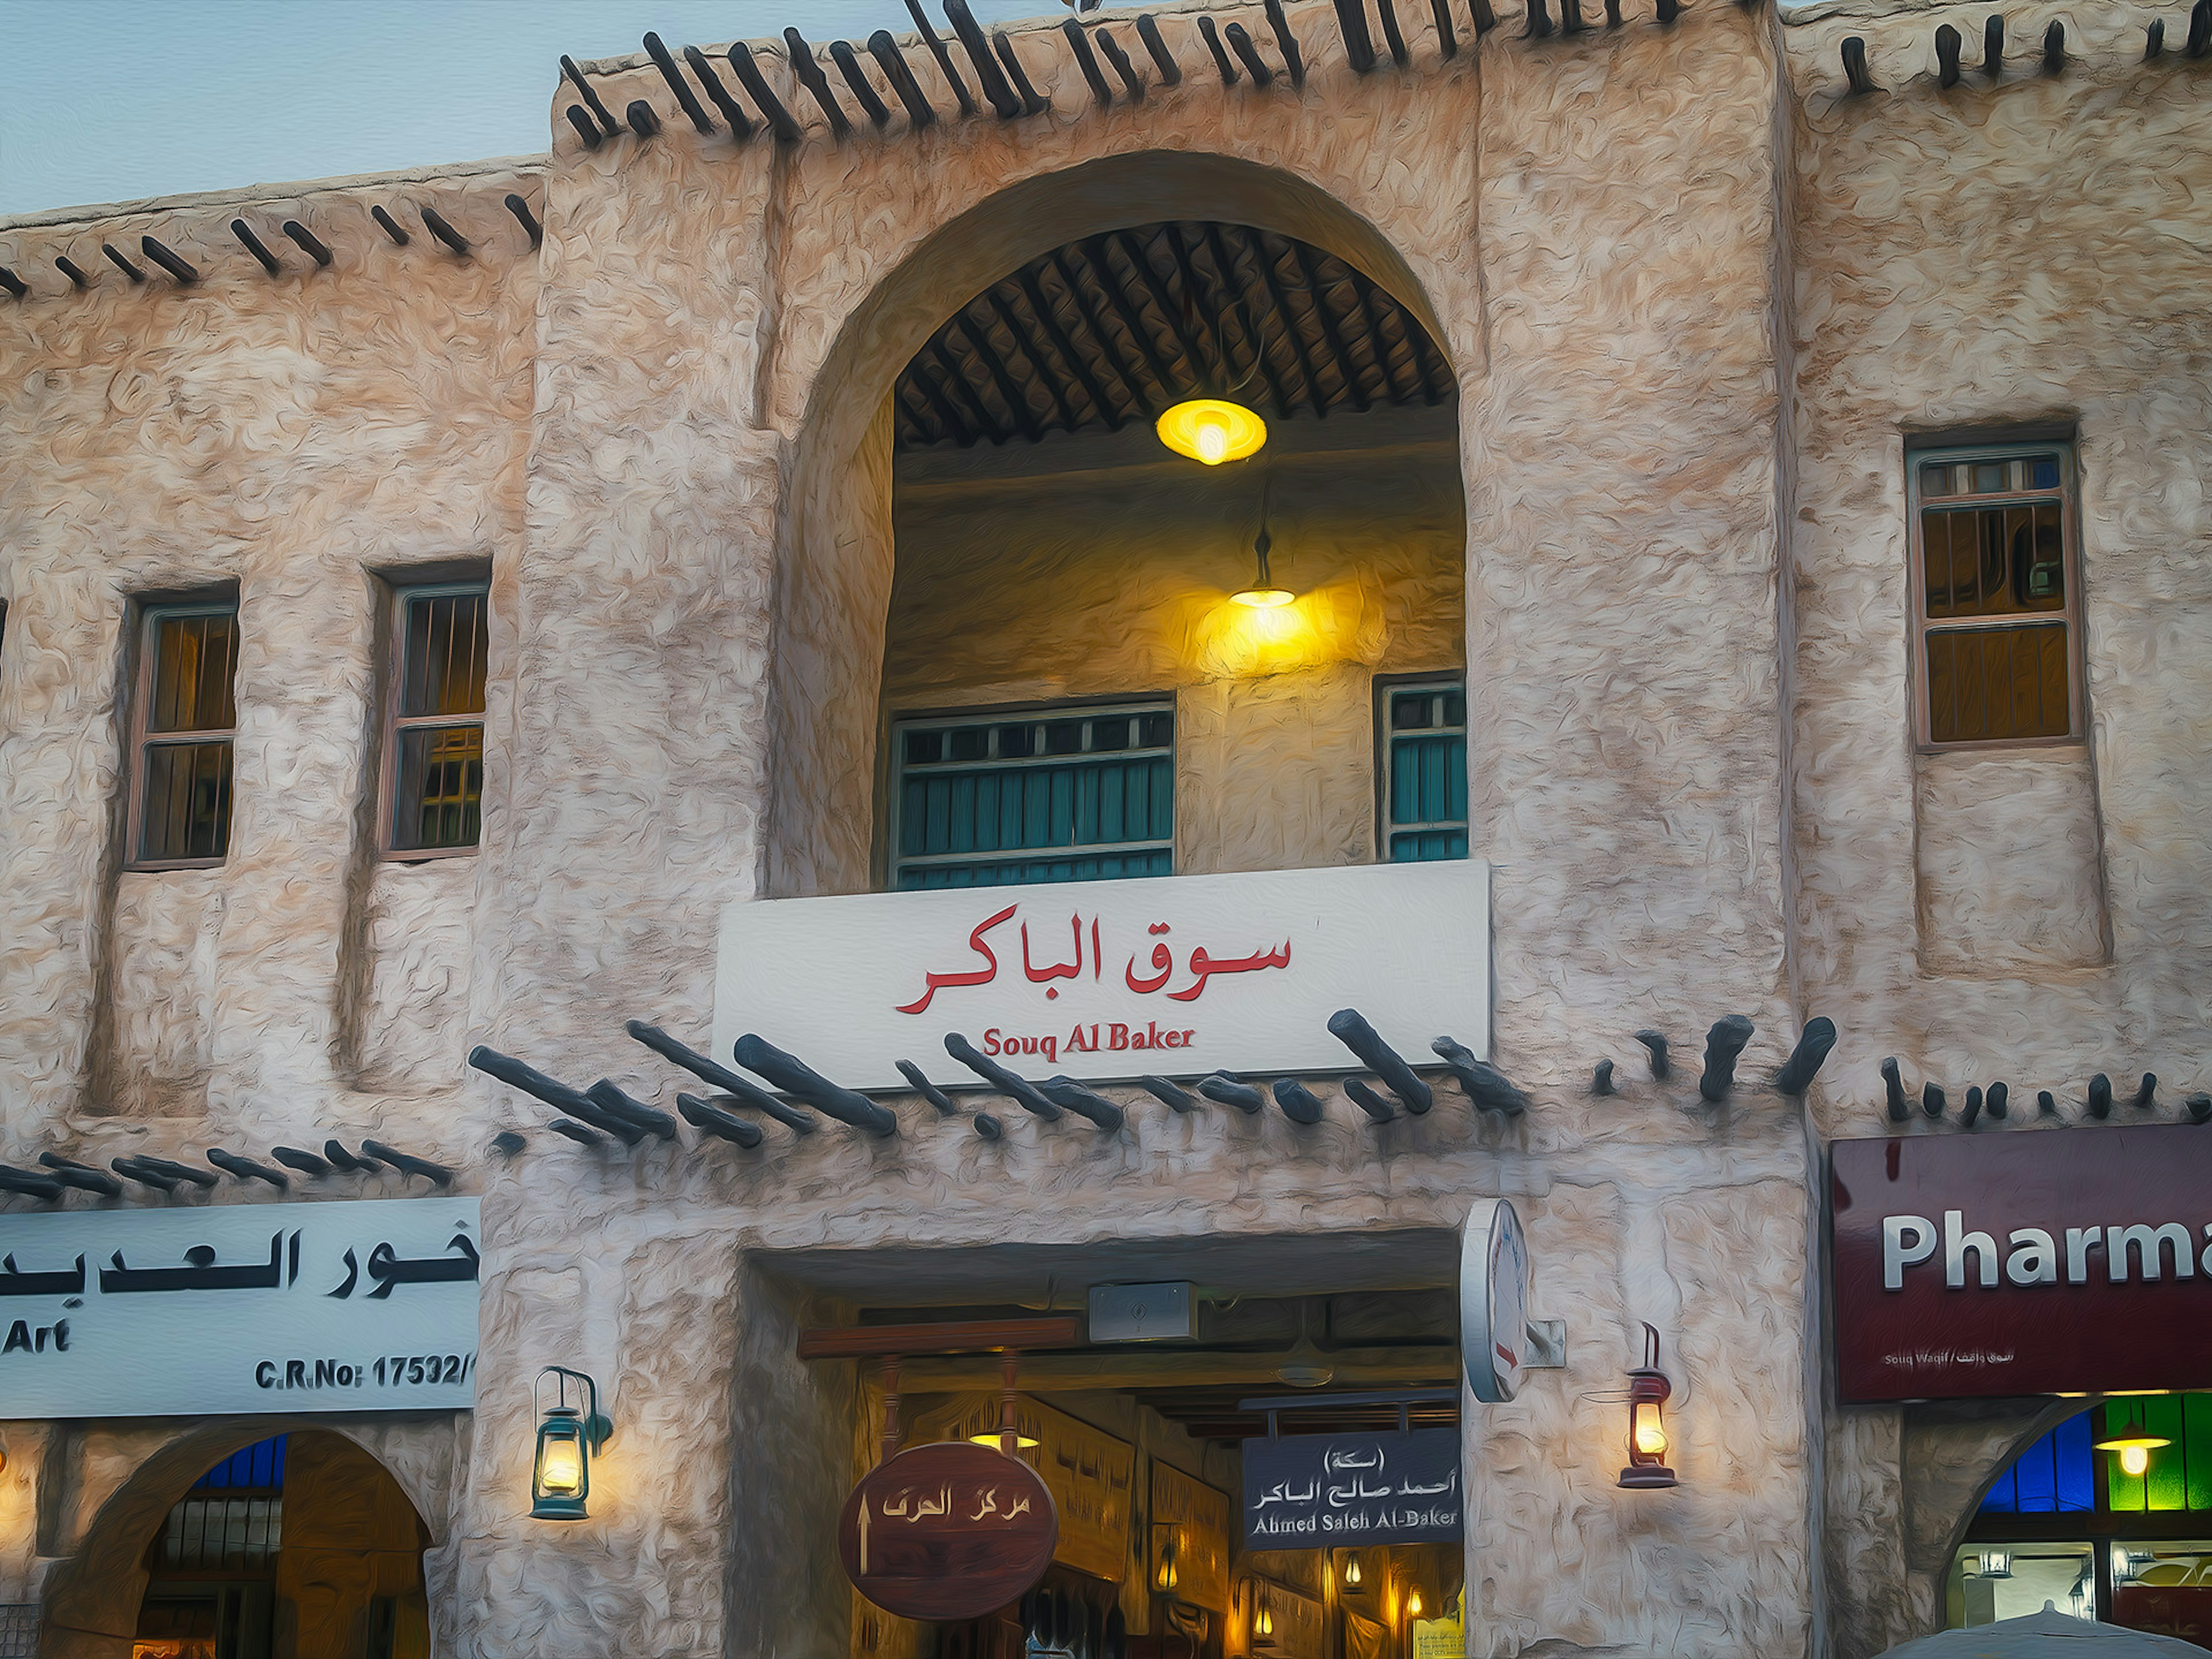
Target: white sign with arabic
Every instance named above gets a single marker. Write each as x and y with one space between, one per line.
244 1308
1105 981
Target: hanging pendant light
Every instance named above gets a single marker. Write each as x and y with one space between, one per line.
2133 1442
1214 427
1263 594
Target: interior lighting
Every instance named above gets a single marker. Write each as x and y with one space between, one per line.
1352 1571
1413 1603
2133 1442
1996 1563
1648 1392
996 1441
568 1438
1213 430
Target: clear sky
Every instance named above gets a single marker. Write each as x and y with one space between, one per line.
106 100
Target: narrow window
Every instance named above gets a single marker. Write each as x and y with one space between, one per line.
434 750
1996 607
1040 794
1424 744
187 717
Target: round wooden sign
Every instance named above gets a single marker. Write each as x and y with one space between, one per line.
952 1530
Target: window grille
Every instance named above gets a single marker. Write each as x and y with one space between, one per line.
436 749
187 717
1059 794
1996 610
1425 771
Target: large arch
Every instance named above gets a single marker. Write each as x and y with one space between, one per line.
90 1603
835 553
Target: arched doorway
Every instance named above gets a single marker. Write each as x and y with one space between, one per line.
295 1546
1079 300
2104 1532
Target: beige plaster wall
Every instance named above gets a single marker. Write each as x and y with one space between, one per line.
2025 251
1102 568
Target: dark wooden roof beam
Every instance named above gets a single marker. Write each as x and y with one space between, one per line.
920 112
1122 66
686 99
1265 262
1207 32
1393 36
1101 409
849 65
1317 296
995 85
1095 262
1139 254
741 125
1040 370
1148 31
988 424
1110 355
1018 403
816 84
1086 60
943 54
1257 343
781 121
1032 102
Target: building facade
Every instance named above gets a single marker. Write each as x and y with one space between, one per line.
1784 501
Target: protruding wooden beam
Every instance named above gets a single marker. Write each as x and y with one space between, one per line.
1083 1102
928 1091
1540 26
1485 1085
856 78
2199 1108
307 1163
1033 102
2046 1104
794 1077
1230 1091
84 1176
588 129
1486 19
686 99
161 256
1948 47
748 1092
1570 17
255 246
527 219
1350 1027
1724 1042
1087 61
121 261
992 78
1393 36
989 1128
2154 40
1299 1103
609 1097
1358 43
1447 37
2200 29
30 1183
1993 45
741 125
176 1171
1894 1083
308 243
1613 17
1221 63
779 120
2054 48
920 112
456 243
1656 1045
1998 1096
1122 67
607 122
1148 31
508 1142
247 1168
1971 1110
1286 41
70 268
2100 1096
943 54
2146 1096
1601 1081
1168 1095
642 120
1932 1099
1020 1090
1361 1094
1854 67
335 1150
1248 54
15 285
710 1119
581 1134
1814 1044
1667 11
131 1169
559 1096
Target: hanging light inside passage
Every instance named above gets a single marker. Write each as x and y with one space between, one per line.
1213 430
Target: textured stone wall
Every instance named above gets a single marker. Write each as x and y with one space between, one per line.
2023 253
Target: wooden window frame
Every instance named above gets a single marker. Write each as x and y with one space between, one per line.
400 595
151 614
1939 451
1386 688
1023 713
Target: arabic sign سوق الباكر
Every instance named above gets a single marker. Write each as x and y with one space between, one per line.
1179 975
1310 1490
946 1531
245 1308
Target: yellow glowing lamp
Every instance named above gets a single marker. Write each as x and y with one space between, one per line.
1263 594
1649 1391
2134 1450
568 1438
1412 1604
1213 430
1352 1571
997 1441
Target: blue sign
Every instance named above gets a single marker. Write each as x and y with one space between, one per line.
1325 1491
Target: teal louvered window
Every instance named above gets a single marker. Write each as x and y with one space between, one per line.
1059 794
1425 771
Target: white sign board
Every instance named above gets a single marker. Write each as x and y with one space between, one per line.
1493 1300
1104 980
236 1307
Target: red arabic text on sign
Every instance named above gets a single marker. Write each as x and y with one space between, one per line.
1201 964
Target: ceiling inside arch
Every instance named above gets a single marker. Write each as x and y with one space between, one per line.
1116 327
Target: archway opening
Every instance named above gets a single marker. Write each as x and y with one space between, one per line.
992 557
2107 1516
299 1545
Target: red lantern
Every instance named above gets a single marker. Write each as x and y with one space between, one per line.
1648 1391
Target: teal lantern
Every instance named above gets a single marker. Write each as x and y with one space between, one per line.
568 1438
